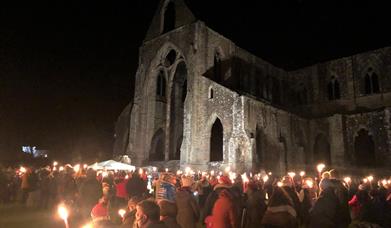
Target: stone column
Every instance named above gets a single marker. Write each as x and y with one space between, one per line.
337 144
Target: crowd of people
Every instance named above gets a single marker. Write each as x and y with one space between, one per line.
163 199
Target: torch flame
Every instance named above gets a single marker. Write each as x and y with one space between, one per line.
63 212
347 179
292 174
121 212
320 167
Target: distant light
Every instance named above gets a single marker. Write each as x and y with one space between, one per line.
279 184
302 173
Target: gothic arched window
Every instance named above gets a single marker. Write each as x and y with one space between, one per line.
371 82
333 89
161 85
169 17
217 67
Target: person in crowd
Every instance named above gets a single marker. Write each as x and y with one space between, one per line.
90 192
136 186
148 215
188 210
360 200
129 219
203 189
100 213
327 211
283 208
121 195
166 189
67 188
44 177
25 185
220 210
307 197
255 206
168 214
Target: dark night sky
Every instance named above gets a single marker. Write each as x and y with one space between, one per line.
66 67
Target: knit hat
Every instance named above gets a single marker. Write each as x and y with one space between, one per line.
187 181
167 208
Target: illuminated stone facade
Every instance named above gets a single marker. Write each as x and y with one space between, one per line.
202 101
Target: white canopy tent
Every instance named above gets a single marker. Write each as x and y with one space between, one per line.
112 165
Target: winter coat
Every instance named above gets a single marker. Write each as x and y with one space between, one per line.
170 222
121 190
223 212
136 186
90 192
188 212
281 210
326 211
165 191
255 208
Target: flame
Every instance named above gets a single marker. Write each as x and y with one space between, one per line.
265 178
22 169
76 168
62 212
121 212
88 225
309 183
347 179
320 167
292 174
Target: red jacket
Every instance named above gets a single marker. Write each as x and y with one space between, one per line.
356 207
223 213
121 190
